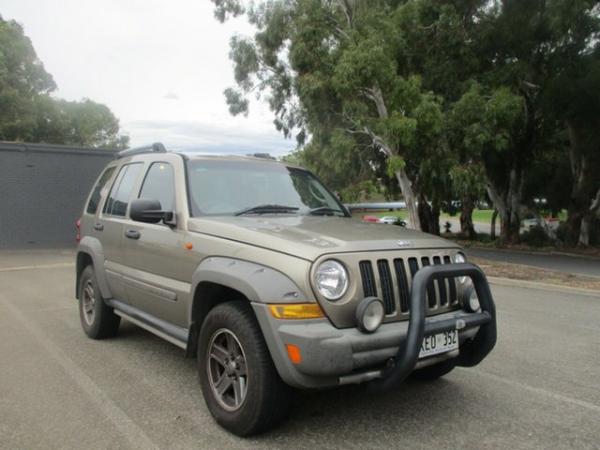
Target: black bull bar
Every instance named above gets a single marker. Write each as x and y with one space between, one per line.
420 326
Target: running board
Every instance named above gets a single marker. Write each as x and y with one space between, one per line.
169 332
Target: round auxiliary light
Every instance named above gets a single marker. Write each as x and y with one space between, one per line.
331 279
470 300
460 258
369 314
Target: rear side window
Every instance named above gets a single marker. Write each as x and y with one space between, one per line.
159 185
118 199
92 205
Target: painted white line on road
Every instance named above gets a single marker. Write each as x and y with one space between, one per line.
536 390
136 437
36 267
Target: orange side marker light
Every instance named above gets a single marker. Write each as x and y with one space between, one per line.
189 245
294 354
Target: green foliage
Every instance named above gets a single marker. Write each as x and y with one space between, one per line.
29 113
395 164
468 181
467 94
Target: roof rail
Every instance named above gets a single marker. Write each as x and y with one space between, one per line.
157 147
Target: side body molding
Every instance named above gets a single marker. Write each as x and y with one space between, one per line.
260 284
92 247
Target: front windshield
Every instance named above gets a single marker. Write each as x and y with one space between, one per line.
230 187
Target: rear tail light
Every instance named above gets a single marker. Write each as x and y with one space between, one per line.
78 228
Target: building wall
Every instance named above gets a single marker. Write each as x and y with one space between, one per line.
42 191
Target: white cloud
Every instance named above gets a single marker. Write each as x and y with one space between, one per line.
136 56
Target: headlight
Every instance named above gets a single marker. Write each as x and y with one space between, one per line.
459 258
369 314
331 280
470 300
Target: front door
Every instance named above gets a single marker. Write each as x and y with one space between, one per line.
108 226
155 254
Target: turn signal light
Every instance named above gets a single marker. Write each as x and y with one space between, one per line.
296 311
294 354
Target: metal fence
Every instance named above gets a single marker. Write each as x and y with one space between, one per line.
42 190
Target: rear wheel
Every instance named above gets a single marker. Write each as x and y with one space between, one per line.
241 386
435 371
98 320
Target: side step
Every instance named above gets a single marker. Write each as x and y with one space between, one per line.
169 332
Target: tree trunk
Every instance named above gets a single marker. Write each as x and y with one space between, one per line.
409 198
508 206
587 220
493 224
466 219
579 214
429 216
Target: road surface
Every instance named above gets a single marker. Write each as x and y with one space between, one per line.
58 389
562 263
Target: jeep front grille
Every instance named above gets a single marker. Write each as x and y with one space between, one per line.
393 279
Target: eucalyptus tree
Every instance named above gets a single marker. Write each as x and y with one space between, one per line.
342 66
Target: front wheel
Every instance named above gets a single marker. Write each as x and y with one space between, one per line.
241 386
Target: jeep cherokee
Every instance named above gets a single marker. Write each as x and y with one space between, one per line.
255 268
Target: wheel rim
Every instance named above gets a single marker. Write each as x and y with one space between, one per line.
226 369
88 303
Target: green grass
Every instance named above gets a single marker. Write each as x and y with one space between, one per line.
479 215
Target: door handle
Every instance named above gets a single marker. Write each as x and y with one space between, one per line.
132 234
98 226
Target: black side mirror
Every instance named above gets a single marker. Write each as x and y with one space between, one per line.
149 211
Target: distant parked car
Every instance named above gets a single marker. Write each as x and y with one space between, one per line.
532 222
392 220
370 219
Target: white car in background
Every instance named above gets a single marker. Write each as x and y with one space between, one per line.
391 220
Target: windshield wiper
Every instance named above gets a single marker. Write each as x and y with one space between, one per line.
266 209
324 211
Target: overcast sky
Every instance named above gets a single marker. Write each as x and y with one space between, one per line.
161 66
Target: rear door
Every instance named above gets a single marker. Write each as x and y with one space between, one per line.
155 254
109 226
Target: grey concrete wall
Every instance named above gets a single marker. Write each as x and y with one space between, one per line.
42 191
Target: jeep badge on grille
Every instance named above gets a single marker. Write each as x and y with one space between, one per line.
404 244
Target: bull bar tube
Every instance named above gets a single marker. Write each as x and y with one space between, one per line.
420 326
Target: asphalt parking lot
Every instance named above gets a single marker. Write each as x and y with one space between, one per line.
540 388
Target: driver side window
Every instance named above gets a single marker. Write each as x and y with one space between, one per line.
159 184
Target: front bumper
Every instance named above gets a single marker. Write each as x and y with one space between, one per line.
332 356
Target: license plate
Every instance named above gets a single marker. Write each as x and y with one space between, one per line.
439 343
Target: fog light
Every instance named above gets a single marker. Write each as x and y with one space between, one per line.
470 300
369 314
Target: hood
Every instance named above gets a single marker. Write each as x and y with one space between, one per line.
309 237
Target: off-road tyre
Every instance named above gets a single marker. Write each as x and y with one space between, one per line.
267 398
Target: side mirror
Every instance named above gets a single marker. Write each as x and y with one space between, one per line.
149 211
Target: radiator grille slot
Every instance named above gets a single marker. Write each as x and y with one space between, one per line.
441 284
431 300
451 284
393 281
368 279
387 287
402 284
